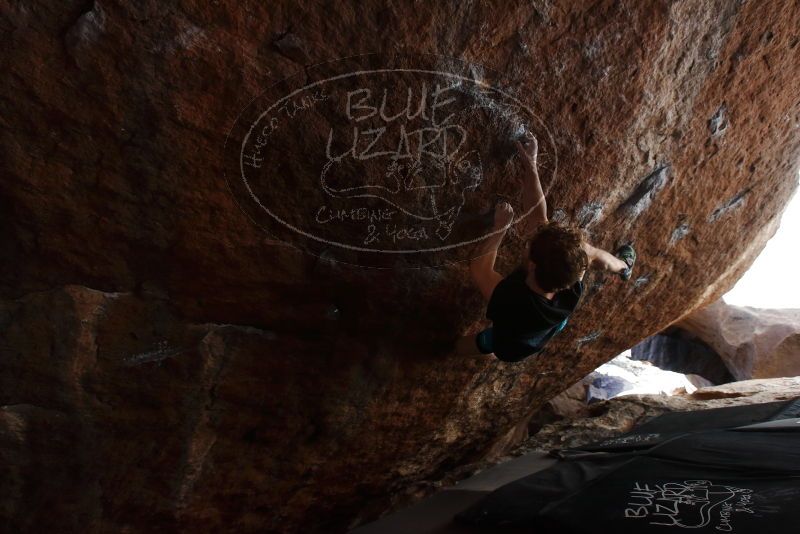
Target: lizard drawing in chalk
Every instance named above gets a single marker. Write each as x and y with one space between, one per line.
532 304
430 187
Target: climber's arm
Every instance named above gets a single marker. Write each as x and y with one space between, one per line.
481 267
601 260
532 194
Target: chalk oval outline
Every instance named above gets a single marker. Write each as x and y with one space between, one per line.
306 87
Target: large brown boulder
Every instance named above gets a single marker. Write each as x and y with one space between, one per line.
166 364
616 416
753 342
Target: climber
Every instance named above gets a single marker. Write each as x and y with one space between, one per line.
532 304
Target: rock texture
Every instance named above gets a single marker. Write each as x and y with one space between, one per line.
622 376
567 421
619 415
678 350
753 342
167 366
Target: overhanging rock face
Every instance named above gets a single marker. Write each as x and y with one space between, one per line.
753 342
167 364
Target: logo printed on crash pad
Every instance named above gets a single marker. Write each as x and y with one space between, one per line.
688 504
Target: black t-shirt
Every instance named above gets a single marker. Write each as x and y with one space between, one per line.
523 320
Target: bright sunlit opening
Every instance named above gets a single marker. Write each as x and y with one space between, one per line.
772 280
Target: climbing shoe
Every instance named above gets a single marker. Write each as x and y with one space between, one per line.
628 255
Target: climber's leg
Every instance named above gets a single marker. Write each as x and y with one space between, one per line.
560 327
485 341
475 345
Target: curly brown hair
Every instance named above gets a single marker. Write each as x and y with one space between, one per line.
556 250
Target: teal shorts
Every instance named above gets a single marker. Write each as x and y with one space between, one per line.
486 343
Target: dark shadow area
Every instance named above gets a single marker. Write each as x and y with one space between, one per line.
676 350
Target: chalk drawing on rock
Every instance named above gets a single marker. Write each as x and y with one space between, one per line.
373 157
430 188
